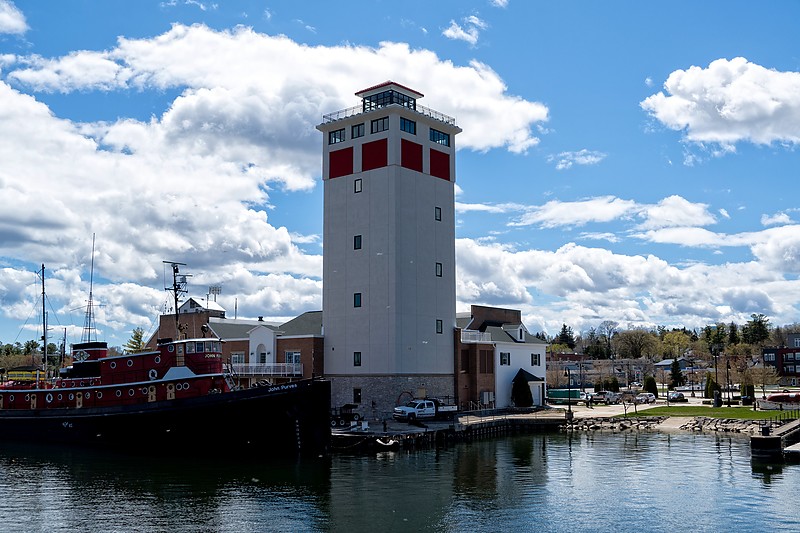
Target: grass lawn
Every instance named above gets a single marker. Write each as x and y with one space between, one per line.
742 413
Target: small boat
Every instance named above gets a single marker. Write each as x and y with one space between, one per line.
178 397
780 401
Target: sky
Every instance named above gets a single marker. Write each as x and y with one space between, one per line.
627 161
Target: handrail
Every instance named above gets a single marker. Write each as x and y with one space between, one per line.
475 336
357 110
268 369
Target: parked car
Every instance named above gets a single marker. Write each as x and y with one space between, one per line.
645 397
606 397
677 397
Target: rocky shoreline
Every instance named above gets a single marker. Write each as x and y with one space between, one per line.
698 424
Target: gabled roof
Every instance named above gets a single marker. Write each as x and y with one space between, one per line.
201 303
309 323
225 328
499 334
526 376
388 84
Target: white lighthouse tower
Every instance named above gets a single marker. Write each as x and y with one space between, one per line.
389 249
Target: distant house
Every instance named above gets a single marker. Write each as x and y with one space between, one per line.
492 346
785 360
666 364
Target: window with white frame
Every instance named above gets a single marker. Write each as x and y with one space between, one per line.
535 359
505 359
357 185
292 358
237 358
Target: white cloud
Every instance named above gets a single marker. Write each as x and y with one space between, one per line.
676 211
776 219
499 3
193 183
12 20
578 213
566 160
469 33
583 286
724 213
731 101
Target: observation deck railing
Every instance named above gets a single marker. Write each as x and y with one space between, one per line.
357 110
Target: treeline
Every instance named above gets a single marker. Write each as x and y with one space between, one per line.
607 341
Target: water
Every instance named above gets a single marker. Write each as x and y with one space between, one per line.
587 483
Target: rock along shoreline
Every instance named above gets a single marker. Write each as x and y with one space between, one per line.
698 424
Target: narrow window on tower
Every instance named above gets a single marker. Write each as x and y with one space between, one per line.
408 126
356 358
357 131
379 124
356 242
357 299
357 185
437 213
438 270
336 136
438 326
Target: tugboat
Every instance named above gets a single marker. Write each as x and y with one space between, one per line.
177 397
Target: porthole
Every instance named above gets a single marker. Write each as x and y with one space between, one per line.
131 392
113 364
171 348
10 397
157 359
87 395
152 374
60 397
83 383
144 390
185 386
130 362
48 398
178 386
71 396
119 393
27 397
99 395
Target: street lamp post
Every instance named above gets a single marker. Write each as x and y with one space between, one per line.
569 393
728 379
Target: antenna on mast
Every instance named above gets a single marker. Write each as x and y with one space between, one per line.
179 285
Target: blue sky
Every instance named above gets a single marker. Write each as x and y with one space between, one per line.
625 161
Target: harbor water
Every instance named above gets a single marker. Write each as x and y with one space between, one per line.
543 482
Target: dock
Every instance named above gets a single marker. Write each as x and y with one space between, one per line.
477 425
780 441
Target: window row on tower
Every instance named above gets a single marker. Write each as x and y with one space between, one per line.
382 124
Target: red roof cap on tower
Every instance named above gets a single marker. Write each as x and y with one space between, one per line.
387 85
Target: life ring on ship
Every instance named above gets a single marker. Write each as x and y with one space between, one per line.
152 374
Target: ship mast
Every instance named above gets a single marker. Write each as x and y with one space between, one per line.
88 322
44 326
179 286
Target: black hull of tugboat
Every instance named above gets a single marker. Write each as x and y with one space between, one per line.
289 418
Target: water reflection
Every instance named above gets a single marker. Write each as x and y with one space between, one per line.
556 482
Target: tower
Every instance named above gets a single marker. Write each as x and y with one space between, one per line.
389 249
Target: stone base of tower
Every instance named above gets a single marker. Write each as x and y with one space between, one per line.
381 394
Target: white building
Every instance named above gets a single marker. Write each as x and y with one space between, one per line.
389 237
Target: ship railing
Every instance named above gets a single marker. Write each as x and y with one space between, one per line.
475 336
268 369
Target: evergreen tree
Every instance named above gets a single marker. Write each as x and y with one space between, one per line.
566 336
676 376
733 334
136 342
650 385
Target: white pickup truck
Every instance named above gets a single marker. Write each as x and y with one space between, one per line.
425 409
